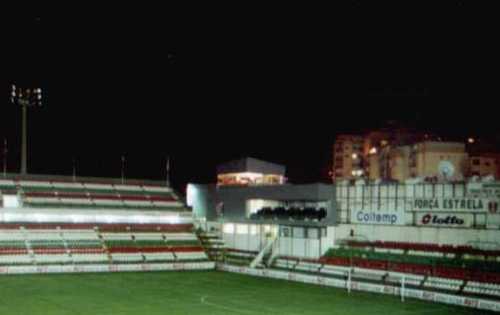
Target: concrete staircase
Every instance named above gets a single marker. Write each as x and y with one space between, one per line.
214 246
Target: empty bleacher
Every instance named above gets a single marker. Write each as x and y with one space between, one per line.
446 271
13 250
162 245
96 244
91 194
83 244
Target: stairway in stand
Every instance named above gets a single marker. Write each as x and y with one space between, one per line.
214 246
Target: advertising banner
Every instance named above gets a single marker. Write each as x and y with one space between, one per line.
440 219
378 217
486 190
454 204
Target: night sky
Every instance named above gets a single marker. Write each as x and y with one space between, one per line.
205 86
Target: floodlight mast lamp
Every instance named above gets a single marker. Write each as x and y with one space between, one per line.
25 97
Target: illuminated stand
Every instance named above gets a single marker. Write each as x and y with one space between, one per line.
25 97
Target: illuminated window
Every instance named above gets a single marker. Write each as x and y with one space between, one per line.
241 229
253 229
267 228
228 228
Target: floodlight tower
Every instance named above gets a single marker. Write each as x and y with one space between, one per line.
25 97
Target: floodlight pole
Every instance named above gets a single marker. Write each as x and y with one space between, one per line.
24 141
168 171
74 169
5 157
123 169
25 97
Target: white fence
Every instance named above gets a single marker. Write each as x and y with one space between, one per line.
105 268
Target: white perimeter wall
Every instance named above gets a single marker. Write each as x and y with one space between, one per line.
454 236
285 246
306 248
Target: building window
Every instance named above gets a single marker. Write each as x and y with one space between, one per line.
299 232
241 229
253 229
475 162
323 232
228 228
313 233
285 231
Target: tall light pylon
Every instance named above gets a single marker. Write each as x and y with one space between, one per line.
25 97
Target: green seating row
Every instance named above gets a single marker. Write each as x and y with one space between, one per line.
12 244
83 243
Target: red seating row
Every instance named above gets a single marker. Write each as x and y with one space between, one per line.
8 251
370 264
155 249
173 228
410 268
340 261
453 273
444 272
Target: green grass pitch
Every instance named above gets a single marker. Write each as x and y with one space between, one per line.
193 293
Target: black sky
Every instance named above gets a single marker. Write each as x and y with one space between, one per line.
205 85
